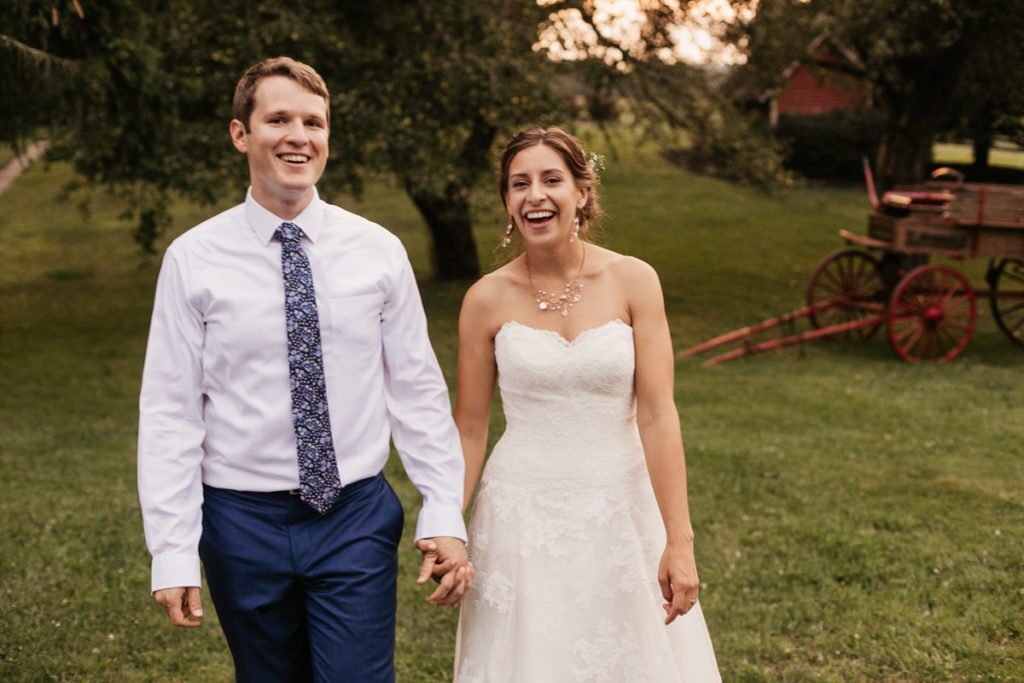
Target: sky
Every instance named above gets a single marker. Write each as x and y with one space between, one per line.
621 20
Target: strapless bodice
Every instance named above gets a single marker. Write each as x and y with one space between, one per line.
569 405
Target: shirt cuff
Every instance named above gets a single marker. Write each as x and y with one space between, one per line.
441 520
175 571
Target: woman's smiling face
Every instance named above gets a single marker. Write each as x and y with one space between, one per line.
543 197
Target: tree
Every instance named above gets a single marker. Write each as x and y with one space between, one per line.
120 90
990 96
30 61
680 106
927 62
425 89
137 94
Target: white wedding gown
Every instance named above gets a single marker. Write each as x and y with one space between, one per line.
566 535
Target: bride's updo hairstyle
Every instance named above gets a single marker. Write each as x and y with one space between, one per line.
569 148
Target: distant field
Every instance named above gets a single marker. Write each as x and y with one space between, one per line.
954 153
857 519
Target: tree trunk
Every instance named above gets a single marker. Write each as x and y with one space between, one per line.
915 100
904 155
981 133
451 227
446 211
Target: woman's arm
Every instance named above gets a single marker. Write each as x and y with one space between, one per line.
658 421
475 379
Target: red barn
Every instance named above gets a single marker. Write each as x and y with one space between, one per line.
832 77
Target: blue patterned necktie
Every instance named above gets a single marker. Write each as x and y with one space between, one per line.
318 468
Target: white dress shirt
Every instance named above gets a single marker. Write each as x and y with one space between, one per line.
216 404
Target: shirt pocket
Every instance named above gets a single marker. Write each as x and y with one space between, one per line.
355 328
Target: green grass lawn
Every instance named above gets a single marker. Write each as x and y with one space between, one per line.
958 153
858 519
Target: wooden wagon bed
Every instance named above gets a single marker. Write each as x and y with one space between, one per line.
979 221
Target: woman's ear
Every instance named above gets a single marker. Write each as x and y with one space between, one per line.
584 197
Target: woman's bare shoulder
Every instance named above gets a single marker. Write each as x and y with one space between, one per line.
627 270
489 292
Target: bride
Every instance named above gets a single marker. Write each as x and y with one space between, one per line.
581 531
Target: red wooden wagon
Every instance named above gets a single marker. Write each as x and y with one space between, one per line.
884 279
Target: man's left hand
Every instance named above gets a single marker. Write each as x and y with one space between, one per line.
445 558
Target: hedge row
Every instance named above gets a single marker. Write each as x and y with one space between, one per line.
830 146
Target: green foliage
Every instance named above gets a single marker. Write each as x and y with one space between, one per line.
136 94
425 88
420 92
858 519
427 85
932 63
119 108
682 108
737 147
832 145
31 67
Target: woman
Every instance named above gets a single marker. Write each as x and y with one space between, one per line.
581 532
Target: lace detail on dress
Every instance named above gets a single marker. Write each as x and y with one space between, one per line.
558 519
566 534
611 656
469 672
495 590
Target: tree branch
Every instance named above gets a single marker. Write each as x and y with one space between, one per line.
36 55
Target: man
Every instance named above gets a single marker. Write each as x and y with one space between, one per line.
288 346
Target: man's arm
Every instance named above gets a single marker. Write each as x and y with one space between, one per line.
171 433
424 433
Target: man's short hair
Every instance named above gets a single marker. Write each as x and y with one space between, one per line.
303 74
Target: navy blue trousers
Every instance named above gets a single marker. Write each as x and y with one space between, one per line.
303 596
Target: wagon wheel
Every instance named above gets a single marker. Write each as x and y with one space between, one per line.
932 314
1007 301
854 280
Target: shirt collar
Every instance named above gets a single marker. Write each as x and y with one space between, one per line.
264 223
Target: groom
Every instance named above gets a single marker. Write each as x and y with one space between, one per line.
288 346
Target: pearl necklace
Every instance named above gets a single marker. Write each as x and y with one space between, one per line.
571 294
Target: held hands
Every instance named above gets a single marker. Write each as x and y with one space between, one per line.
677 574
184 606
445 559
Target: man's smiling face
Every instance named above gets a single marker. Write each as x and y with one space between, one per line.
286 143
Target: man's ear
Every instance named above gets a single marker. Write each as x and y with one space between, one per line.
239 136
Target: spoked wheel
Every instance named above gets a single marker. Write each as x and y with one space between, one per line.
932 314
853 281
1007 281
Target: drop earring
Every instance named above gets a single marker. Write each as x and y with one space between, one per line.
575 229
507 239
